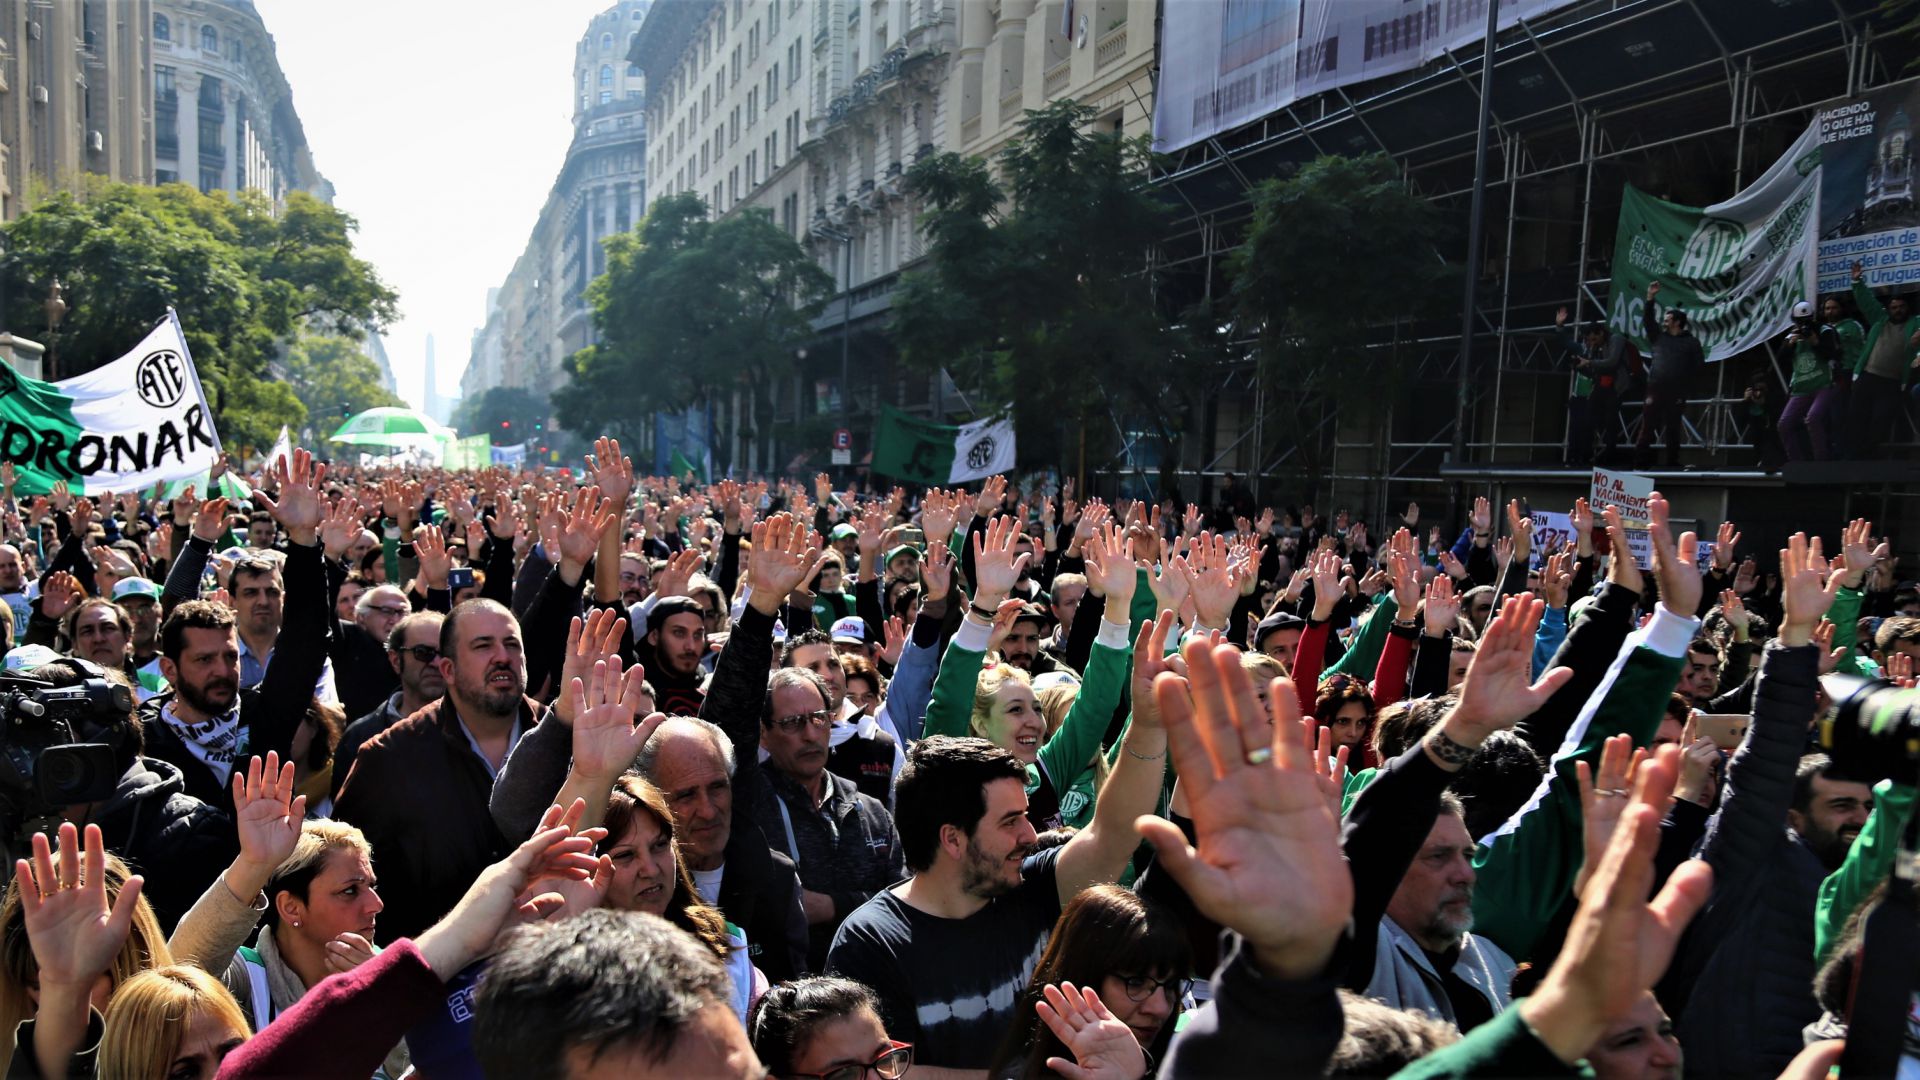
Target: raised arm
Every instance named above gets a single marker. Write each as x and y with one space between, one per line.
300 654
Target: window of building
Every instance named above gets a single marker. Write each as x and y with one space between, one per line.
210 39
163 86
209 180
606 42
638 14
773 20
633 71
633 95
606 74
606 96
162 29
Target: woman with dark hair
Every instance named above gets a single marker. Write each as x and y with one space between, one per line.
650 876
1129 950
826 1028
1346 706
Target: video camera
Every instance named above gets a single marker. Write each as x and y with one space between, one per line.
1873 734
53 752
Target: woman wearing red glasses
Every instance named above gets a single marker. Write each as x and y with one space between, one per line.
825 1028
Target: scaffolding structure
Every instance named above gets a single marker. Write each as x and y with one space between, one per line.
1686 99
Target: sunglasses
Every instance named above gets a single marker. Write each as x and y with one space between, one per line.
891 1065
426 654
817 718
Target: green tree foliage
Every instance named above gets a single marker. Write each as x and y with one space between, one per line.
689 306
1038 290
334 380
1315 305
243 277
506 413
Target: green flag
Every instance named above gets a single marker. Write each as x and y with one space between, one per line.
909 448
681 467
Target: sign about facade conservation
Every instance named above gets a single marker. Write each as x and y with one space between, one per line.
1867 211
139 421
1229 63
1736 268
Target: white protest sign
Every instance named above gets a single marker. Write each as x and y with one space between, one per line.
1628 491
1551 532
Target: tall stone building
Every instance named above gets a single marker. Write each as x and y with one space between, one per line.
1017 55
223 115
76 96
539 315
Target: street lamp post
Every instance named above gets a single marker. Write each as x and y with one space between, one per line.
845 240
56 309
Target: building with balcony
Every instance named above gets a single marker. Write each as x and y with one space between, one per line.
223 116
76 96
1016 55
539 315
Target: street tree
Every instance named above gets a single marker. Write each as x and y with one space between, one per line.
1317 310
243 275
334 380
690 308
1037 289
505 413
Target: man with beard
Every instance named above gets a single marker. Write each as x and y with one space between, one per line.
413 655
1021 647
1427 958
636 577
1828 811
862 751
677 636
419 789
208 722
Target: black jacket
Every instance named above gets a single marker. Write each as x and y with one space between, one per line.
273 709
178 842
848 849
361 671
420 794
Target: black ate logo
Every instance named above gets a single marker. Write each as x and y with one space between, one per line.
161 378
981 454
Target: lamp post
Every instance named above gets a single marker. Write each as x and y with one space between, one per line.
56 309
845 240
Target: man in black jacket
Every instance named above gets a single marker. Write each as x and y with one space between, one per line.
1676 357
207 724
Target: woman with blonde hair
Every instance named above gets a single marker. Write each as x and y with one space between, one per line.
997 702
171 1023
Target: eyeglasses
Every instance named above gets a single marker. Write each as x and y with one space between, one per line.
395 611
891 1065
817 718
1140 988
426 654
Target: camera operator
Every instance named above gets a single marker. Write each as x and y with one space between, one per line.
180 843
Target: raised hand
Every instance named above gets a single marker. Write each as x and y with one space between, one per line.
1556 578
61 496
606 738
1110 567
1580 520
1171 581
1451 566
59 594
1806 589
1327 589
267 814
430 547
1406 585
1215 589
1620 943
939 512
1103 1047
580 534
1724 541
591 640
1602 800
1150 658
1734 610
1268 862
993 492
677 576
894 631
340 527
1520 529
1856 552
1482 518
936 571
74 934
1498 692
298 507
467 932
1830 657
783 561
996 563
611 471
1621 569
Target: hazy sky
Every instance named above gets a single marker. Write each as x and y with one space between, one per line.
442 126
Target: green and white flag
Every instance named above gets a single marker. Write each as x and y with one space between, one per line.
909 448
1736 267
139 421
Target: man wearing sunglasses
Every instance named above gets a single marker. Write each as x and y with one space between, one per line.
413 646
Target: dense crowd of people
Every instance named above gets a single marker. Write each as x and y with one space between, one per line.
550 773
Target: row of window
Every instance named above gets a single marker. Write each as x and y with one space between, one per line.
209 38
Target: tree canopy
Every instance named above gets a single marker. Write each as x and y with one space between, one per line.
1037 290
505 413
334 380
689 306
243 277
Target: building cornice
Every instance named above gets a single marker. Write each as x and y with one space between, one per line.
665 34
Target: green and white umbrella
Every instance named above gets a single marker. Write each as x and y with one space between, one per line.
230 486
389 426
